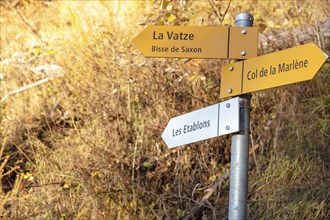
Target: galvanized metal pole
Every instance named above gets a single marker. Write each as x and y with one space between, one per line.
240 149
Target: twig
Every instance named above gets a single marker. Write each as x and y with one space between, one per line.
220 16
34 30
252 151
22 89
215 11
181 197
52 111
223 17
200 207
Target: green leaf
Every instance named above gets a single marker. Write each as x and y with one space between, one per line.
171 18
180 212
146 164
212 178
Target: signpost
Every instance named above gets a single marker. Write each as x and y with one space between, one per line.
215 120
239 157
232 116
198 42
272 70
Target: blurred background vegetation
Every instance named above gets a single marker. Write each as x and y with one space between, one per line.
82 112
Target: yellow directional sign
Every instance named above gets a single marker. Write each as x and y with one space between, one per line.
272 70
198 42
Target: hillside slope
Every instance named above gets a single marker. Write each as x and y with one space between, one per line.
82 112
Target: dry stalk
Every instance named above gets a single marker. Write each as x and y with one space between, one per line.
23 88
200 207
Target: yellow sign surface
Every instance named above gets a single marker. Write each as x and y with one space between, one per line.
288 66
198 42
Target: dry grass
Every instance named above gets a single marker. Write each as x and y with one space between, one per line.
87 143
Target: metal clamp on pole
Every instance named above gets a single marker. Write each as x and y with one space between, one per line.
240 149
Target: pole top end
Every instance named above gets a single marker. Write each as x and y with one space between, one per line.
244 16
244 20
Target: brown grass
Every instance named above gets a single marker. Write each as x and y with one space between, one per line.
87 143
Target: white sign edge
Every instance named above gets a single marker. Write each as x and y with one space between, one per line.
227 122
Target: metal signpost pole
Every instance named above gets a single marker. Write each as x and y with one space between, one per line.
241 77
240 148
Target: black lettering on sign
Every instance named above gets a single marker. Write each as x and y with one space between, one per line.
196 126
176 132
294 65
179 36
252 75
159 49
272 70
191 50
158 36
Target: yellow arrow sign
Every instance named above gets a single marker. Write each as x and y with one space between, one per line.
198 42
272 70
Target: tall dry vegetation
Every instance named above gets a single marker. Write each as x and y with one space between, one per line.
86 144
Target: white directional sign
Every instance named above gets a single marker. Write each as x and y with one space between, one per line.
202 124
